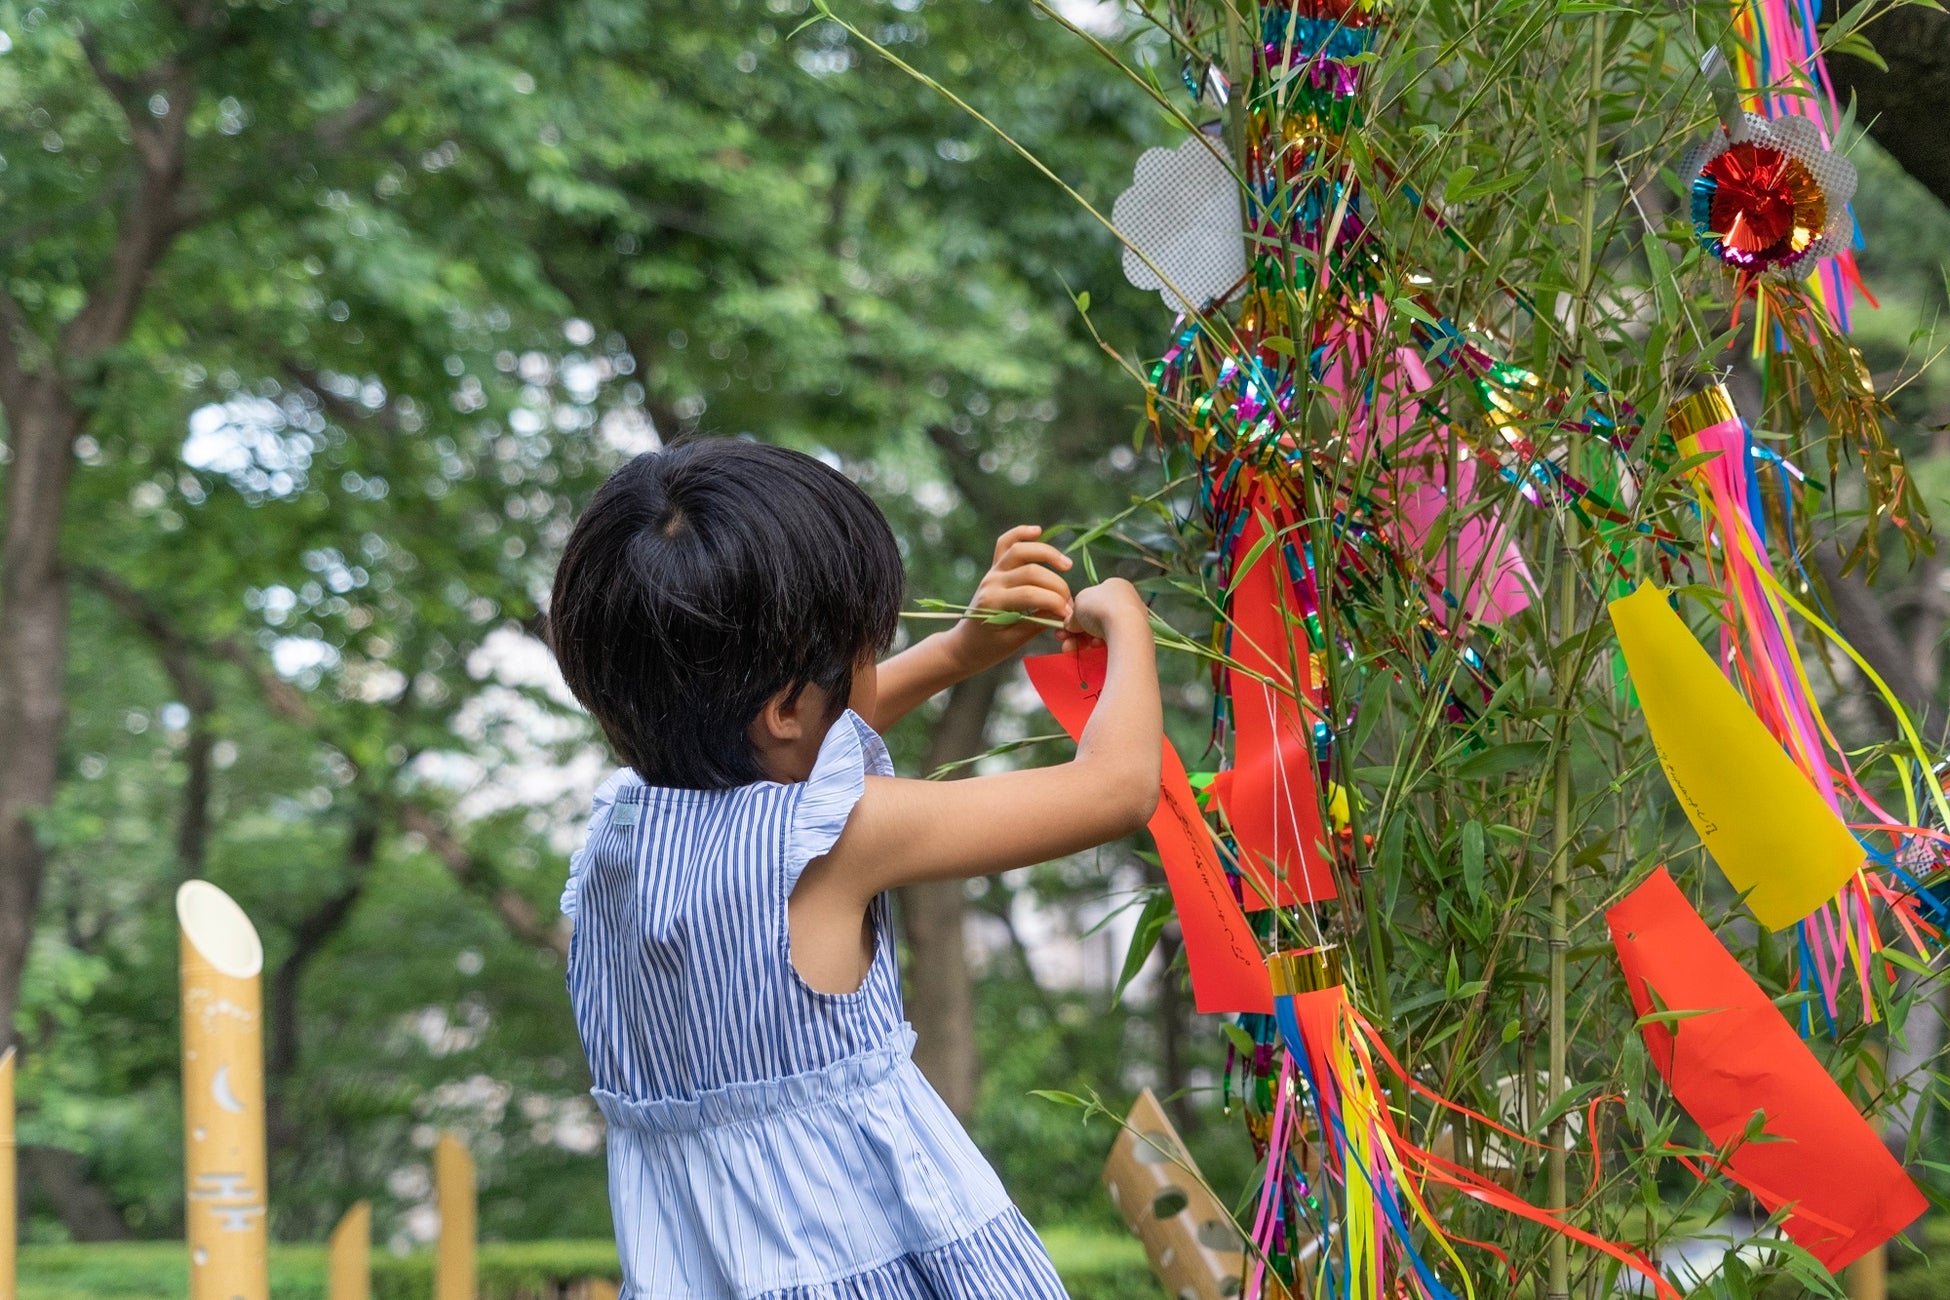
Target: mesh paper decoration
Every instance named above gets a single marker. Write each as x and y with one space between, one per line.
1768 196
1182 213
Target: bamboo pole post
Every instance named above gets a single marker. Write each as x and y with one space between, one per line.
223 1097
349 1262
9 1184
453 1179
1868 1277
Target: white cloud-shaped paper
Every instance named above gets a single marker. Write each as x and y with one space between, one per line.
1182 212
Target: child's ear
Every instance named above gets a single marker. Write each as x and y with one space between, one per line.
783 719
786 734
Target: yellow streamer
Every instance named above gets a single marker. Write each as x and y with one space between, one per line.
1896 708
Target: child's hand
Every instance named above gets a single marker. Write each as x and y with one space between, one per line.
1023 580
1099 611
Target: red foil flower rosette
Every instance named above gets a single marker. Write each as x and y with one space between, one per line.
1770 196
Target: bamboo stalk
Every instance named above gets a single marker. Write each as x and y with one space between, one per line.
223 1097
1559 1255
349 1266
9 1183
453 1179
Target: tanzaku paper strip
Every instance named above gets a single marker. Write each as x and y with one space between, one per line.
1769 830
1271 794
1228 973
1728 1053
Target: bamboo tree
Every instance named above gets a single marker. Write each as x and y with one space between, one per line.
1569 625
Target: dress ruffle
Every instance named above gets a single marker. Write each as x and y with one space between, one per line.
737 1102
851 1173
600 809
1002 1258
851 752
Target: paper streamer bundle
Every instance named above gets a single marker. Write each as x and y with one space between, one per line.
1370 1202
1235 391
1224 956
1764 781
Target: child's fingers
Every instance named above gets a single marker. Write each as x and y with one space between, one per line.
1020 533
1034 575
1022 553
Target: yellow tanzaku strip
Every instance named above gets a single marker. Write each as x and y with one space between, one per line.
1773 835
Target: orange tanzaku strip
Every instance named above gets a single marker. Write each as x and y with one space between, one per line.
1729 1054
1228 973
1271 793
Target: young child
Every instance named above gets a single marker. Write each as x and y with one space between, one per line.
719 608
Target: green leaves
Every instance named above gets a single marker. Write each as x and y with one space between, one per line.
1500 760
1157 913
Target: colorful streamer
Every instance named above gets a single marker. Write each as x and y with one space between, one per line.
1271 793
1227 971
1372 1192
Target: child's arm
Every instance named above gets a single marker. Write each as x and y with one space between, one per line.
904 831
1023 579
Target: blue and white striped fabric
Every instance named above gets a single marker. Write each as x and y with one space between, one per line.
767 1141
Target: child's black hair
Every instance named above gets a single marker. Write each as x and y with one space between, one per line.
704 579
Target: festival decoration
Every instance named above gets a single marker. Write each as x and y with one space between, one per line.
1309 388
1228 973
1271 794
223 1096
1778 61
1183 226
1782 1128
1371 1197
1730 763
1767 828
1769 197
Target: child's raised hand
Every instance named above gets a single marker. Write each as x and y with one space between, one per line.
1024 579
1098 612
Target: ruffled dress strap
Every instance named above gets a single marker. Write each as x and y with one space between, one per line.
851 752
601 808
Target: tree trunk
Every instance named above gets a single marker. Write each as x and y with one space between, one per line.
59 1180
42 424
1172 1013
43 420
940 989
308 938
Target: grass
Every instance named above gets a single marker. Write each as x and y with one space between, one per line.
1095 1265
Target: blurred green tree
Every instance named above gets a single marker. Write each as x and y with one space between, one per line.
319 322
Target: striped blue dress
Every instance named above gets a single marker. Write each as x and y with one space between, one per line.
767 1141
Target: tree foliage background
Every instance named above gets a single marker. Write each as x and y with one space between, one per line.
321 319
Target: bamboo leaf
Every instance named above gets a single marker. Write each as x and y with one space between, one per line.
1472 859
1144 940
1499 760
